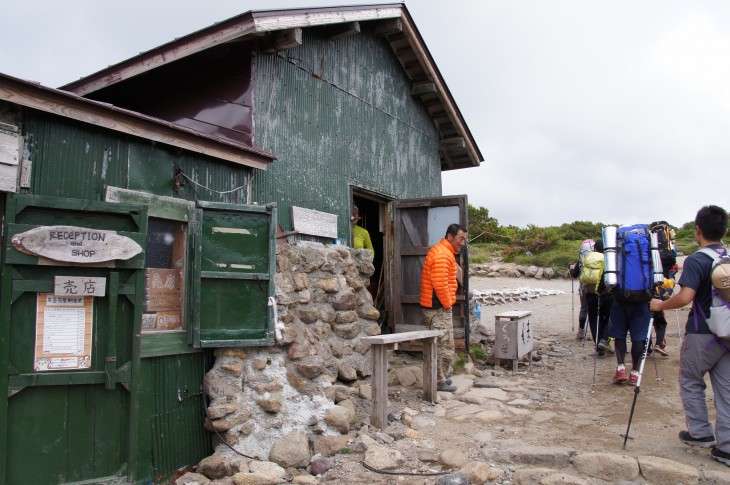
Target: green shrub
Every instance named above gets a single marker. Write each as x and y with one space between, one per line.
461 360
478 351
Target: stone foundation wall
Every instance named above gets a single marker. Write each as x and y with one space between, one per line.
258 395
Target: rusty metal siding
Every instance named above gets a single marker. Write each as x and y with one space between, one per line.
340 114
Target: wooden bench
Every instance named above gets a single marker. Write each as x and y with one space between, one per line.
379 349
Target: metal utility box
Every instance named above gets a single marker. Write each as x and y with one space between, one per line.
513 336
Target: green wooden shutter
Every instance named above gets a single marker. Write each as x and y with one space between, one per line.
234 274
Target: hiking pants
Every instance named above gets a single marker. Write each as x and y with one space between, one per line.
700 354
660 327
441 319
583 314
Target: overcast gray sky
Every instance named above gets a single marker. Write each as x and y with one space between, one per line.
614 112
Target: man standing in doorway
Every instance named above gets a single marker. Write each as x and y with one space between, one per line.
438 295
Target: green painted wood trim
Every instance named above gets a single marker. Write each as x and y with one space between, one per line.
57 379
220 275
85 205
238 343
110 363
157 345
6 298
237 207
136 431
159 206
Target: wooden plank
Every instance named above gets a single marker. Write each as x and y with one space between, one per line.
413 235
379 417
430 362
8 178
282 40
388 27
159 205
423 89
401 337
341 31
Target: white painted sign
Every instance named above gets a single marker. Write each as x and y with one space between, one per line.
79 286
315 223
75 244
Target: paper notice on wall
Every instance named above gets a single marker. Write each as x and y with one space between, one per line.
63 332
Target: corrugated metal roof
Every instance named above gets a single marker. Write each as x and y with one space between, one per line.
457 148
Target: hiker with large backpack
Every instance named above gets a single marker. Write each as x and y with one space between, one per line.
668 255
702 351
586 247
591 277
632 270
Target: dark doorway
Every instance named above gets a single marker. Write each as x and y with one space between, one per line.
371 219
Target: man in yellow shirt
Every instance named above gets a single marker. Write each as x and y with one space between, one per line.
360 235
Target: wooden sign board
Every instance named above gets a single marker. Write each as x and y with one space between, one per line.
79 286
315 223
75 244
163 299
63 332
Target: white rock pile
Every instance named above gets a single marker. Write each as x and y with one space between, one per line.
498 297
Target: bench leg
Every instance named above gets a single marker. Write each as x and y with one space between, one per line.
430 361
379 417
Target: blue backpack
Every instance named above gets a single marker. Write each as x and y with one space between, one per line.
635 267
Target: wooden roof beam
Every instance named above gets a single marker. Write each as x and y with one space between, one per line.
282 40
423 89
389 27
341 31
450 144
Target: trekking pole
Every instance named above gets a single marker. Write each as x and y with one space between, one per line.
653 353
637 389
572 304
595 348
679 331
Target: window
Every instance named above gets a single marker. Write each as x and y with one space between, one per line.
164 292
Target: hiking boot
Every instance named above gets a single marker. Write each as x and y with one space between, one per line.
446 388
721 456
581 334
661 351
706 442
620 376
633 378
602 344
600 353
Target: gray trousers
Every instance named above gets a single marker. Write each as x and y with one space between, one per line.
702 354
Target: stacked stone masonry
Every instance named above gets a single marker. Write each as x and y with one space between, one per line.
260 394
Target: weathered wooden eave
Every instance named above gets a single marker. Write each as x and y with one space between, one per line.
281 29
72 106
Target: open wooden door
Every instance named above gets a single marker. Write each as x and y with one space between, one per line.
418 224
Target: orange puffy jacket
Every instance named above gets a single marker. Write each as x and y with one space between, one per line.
439 275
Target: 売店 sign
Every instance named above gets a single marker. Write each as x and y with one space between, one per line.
76 244
79 286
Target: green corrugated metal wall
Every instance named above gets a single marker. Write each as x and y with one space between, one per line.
76 160
339 113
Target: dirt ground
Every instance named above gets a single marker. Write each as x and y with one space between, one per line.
587 416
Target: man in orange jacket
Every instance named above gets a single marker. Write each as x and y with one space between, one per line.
438 295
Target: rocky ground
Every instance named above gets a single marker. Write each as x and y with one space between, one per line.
549 423
550 411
